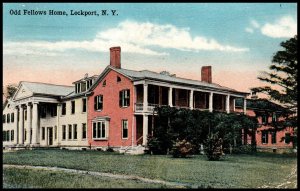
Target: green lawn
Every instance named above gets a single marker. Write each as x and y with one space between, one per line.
235 171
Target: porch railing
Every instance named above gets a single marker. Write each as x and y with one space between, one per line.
150 107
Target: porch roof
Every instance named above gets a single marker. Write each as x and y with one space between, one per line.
48 89
146 74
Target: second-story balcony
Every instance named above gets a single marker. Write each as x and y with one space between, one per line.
150 96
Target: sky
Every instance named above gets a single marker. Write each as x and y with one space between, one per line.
237 39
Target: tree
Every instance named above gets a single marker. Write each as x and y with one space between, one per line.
283 73
10 90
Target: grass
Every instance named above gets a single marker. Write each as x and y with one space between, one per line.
27 178
235 171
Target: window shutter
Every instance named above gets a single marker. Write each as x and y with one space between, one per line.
95 102
128 94
120 98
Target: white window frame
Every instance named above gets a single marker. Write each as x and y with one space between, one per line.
99 123
83 105
73 133
124 121
265 140
84 125
125 96
68 135
63 129
97 102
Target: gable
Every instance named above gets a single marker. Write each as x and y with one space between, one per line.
22 92
108 70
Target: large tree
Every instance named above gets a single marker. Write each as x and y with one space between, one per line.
283 74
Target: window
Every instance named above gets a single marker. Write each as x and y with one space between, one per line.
43 112
264 119
89 83
72 107
43 133
287 138
78 88
12 117
124 129
83 131
264 137
83 86
12 135
274 137
63 108
4 118
53 110
274 118
25 134
104 83
124 98
63 132
118 79
55 132
8 118
99 131
84 105
98 102
75 131
8 136
70 132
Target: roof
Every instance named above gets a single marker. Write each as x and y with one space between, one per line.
260 104
86 78
138 75
48 89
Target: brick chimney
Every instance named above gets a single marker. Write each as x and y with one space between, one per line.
115 57
206 74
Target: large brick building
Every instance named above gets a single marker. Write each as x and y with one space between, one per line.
112 109
269 135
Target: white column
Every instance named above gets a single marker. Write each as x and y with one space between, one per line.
170 96
145 104
191 99
211 101
227 103
16 126
58 132
28 124
34 124
234 104
245 106
21 125
145 129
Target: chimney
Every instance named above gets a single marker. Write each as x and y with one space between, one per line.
206 74
115 57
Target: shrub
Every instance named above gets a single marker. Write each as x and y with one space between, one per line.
181 148
110 149
213 147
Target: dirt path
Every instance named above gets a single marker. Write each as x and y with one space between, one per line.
289 182
118 176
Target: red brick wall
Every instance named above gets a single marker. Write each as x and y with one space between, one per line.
280 143
112 109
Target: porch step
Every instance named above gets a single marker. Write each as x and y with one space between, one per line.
135 150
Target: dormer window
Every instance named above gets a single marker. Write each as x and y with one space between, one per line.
83 86
89 83
118 79
77 88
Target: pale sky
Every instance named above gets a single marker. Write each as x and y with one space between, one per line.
237 39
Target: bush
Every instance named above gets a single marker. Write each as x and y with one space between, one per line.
181 148
213 147
110 149
243 149
155 146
